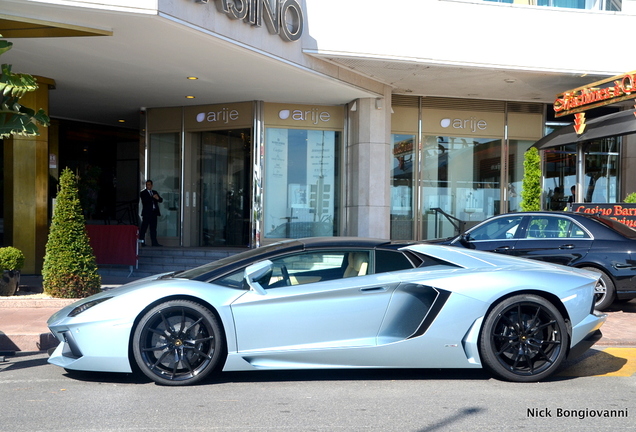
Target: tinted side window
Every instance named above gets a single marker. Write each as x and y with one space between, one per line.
497 229
386 261
541 227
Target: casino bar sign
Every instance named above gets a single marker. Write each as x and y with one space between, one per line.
282 17
600 93
620 212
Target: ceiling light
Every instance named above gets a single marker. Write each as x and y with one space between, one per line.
189 97
193 78
509 80
121 121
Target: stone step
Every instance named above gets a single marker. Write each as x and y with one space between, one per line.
156 260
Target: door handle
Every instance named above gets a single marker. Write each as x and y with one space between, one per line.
502 249
566 246
373 289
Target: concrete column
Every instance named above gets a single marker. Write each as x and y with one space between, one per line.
26 179
368 199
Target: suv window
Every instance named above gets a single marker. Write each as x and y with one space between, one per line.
546 227
497 229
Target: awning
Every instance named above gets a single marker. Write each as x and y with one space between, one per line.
620 123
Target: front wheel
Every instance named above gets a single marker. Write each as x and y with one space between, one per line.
524 338
178 342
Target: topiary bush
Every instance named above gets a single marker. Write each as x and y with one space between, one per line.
631 198
69 270
11 261
531 185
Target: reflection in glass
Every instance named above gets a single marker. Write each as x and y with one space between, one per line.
460 183
601 173
224 158
165 172
403 150
301 183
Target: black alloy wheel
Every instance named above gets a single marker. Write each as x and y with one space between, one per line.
178 342
524 339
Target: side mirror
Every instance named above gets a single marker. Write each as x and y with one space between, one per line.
256 272
465 240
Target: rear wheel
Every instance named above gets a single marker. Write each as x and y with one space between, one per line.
178 342
605 292
524 338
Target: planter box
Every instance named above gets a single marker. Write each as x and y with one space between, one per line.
9 282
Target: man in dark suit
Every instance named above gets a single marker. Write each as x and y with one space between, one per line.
150 200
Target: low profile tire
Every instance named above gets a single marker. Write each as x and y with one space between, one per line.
179 342
605 292
524 338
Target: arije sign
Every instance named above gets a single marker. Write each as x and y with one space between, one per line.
282 17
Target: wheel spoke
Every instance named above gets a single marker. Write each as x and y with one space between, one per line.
183 320
197 351
160 333
157 348
169 327
191 326
159 360
535 330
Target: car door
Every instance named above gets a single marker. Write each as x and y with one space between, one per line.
500 234
555 239
321 308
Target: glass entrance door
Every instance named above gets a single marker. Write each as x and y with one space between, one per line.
221 188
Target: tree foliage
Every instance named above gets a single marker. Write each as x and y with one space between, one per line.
16 119
70 270
631 198
531 185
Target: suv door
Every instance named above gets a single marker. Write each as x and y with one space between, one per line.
499 234
555 239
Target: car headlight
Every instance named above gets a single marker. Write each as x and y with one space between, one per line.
85 306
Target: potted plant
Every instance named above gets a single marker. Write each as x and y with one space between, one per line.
11 261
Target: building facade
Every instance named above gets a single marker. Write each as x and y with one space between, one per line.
260 120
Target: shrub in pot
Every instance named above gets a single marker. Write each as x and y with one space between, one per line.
11 262
69 269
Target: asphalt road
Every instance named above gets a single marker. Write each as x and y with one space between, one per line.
36 396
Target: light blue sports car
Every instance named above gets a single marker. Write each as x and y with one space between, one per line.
337 303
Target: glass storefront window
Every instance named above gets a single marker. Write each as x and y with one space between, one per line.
223 165
559 175
601 173
601 170
302 183
460 180
165 172
402 186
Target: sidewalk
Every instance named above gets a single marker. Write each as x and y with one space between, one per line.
23 318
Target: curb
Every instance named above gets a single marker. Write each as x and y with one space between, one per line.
17 302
